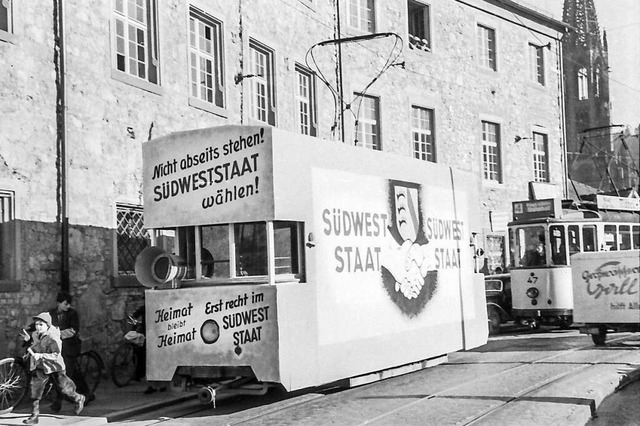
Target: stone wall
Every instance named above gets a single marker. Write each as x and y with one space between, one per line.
103 308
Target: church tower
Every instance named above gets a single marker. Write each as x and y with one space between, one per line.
586 75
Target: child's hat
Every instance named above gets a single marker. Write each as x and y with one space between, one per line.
45 317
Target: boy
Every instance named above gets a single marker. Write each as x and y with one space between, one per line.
45 362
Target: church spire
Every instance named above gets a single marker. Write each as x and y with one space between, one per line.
586 73
581 15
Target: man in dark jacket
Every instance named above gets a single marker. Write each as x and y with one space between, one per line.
68 321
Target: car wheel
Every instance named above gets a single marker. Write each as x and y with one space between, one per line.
494 320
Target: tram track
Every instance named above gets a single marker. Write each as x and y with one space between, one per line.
527 383
523 394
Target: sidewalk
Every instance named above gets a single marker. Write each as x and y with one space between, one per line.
111 404
572 399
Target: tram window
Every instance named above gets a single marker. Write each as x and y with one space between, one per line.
610 238
558 247
530 246
286 248
574 239
215 251
636 237
589 238
165 239
251 248
625 237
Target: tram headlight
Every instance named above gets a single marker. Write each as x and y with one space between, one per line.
532 292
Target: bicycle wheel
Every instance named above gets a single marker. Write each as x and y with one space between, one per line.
123 366
13 384
90 367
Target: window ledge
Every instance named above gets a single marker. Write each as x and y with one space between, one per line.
135 81
416 43
208 107
486 70
536 86
256 122
256 279
353 31
8 37
491 183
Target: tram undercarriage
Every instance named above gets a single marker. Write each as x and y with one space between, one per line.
534 318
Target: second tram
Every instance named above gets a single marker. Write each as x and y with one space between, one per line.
545 234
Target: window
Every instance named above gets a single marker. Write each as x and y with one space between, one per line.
423 134
206 58
6 19
540 163
589 238
529 248
361 15
596 82
136 46
558 246
251 249
262 96
368 123
536 64
491 151
131 236
487 47
306 101
625 237
242 250
215 251
419 25
287 247
8 237
583 84
574 239
610 238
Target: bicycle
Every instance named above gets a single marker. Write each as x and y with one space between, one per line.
125 360
15 377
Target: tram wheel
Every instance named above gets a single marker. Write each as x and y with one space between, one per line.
600 337
494 320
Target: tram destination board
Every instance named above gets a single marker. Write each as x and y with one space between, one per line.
533 209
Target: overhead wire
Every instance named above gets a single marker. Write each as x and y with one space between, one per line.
340 102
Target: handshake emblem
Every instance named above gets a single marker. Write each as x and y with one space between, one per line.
406 258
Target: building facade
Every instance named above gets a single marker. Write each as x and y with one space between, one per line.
475 84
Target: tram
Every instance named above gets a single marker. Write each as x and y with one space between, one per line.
543 238
279 259
606 291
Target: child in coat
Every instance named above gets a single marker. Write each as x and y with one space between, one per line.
46 363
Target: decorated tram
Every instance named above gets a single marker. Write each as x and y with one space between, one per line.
545 239
281 259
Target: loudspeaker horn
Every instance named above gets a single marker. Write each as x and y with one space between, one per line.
155 267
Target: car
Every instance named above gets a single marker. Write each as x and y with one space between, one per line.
497 289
